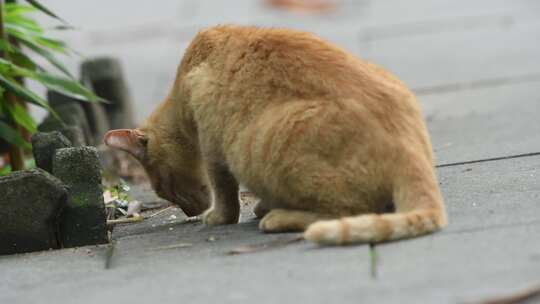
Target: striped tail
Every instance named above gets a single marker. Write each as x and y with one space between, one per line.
376 228
419 210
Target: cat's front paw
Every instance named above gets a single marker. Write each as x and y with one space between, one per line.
213 217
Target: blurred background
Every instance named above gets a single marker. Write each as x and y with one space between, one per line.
431 45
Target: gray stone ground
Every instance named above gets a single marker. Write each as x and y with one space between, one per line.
475 66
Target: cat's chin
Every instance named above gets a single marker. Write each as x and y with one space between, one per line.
192 210
192 205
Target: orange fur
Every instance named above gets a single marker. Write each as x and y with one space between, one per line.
325 139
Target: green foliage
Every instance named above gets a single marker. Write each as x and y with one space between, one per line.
12 136
117 198
20 31
119 191
28 163
42 8
5 170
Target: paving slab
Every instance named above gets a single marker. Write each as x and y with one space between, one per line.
197 274
492 194
489 249
458 267
483 123
459 57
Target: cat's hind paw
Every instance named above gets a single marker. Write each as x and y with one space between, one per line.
281 220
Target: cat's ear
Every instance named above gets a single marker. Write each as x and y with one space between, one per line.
130 140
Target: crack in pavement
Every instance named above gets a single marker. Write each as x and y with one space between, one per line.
484 160
476 84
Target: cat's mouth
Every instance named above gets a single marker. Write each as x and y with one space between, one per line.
191 199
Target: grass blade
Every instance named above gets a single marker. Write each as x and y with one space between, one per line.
373 261
109 254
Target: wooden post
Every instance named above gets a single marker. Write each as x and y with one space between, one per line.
16 155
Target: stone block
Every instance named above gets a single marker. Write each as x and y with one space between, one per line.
104 75
73 133
71 113
97 120
44 146
30 205
83 221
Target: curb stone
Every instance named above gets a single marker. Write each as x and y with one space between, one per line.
44 146
83 222
30 207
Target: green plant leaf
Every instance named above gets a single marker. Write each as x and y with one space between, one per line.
19 57
63 28
21 116
5 170
12 136
66 86
23 23
47 55
30 163
18 9
44 9
11 85
5 46
52 44
61 84
24 61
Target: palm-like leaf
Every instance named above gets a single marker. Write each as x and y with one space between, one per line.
11 85
63 85
44 9
22 117
47 55
20 30
12 136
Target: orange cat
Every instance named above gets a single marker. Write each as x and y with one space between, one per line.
331 144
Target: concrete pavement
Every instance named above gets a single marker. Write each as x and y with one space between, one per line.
475 67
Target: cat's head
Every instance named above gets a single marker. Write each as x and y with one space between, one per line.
172 167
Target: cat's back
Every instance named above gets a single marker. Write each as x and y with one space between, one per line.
295 61
258 74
